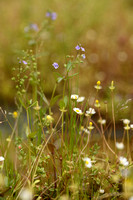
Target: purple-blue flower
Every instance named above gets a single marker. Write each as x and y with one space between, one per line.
25 63
52 15
48 14
82 49
77 47
34 27
55 65
83 56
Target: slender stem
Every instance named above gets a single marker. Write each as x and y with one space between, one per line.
29 138
84 147
113 116
128 146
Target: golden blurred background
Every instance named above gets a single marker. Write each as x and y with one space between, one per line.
104 28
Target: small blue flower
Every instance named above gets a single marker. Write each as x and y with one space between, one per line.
82 49
77 47
55 65
83 56
24 62
48 14
34 27
53 15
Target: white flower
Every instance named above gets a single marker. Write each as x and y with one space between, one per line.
126 121
91 111
131 198
26 194
101 191
87 162
80 99
131 126
74 96
98 85
86 130
123 161
2 158
90 127
102 121
127 127
119 145
78 111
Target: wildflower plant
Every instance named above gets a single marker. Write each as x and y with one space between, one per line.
57 153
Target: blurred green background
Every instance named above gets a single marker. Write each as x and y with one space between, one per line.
104 28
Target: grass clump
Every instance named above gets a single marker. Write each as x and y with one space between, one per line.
60 147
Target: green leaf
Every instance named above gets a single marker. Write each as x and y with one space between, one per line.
44 98
54 99
22 103
61 104
65 100
72 75
32 135
59 79
35 182
69 66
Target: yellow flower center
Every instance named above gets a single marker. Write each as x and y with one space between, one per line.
98 83
90 123
87 162
97 101
15 114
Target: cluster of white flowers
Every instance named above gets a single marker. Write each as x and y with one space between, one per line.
91 111
77 98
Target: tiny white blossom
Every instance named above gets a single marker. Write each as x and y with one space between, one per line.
86 130
127 127
26 194
91 111
102 121
101 191
126 121
119 145
123 161
131 126
2 158
80 99
78 111
74 96
90 127
88 162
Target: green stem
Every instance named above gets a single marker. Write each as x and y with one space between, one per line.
29 138
113 116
